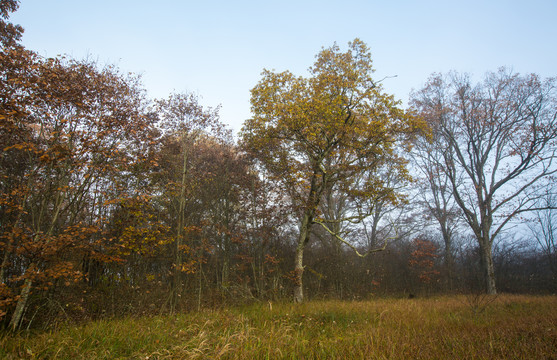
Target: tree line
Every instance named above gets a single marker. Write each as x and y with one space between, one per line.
112 203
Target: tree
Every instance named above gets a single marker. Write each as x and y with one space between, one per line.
184 122
74 134
422 260
436 194
381 220
322 132
500 147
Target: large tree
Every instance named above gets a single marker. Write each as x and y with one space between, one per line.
499 140
324 132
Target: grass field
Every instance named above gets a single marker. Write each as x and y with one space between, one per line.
464 327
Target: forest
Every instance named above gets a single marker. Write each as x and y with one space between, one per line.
114 204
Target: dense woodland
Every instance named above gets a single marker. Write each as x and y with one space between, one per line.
114 204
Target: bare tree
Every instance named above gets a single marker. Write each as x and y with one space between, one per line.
500 138
435 195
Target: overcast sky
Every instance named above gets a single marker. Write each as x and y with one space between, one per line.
217 49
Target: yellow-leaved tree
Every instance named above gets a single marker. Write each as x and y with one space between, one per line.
333 129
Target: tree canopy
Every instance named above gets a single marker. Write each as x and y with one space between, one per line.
326 131
499 139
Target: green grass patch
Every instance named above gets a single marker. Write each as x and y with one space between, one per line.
518 327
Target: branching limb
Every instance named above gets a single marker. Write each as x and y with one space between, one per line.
339 238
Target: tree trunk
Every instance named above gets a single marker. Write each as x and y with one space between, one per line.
449 267
487 269
299 259
298 272
448 256
21 303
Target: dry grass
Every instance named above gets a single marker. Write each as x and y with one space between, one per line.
507 327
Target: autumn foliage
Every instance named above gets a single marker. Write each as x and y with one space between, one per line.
331 131
102 189
422 260
112 203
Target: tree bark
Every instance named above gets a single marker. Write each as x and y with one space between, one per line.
303 239
448 255
21 303
487 269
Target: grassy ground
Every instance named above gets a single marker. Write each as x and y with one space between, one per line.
505 327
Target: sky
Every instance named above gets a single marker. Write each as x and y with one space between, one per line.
218 48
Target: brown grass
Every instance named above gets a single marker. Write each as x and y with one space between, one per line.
506 327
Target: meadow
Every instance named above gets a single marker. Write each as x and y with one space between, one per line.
457 327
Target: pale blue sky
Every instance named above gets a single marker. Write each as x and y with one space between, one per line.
217 49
